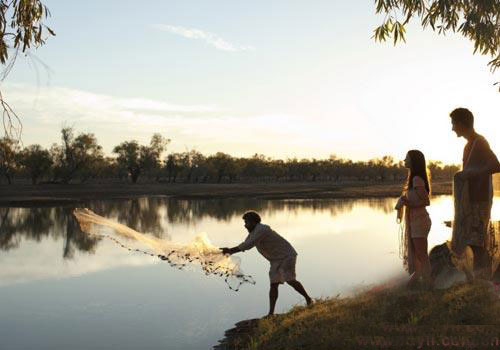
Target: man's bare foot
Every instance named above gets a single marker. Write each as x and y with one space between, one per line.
309 301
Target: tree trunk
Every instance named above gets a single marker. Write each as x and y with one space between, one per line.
134 176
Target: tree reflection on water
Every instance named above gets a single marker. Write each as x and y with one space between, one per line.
152 215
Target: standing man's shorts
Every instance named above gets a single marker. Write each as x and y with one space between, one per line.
283 270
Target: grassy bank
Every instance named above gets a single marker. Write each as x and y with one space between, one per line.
24 194
392 318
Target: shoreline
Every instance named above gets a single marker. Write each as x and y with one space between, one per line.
57 194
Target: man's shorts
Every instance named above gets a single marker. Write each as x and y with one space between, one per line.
283 270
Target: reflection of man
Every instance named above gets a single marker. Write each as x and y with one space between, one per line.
473 191
277 250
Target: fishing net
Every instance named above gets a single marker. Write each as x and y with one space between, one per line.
199 252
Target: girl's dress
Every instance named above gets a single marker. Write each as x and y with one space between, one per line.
417 222
417 218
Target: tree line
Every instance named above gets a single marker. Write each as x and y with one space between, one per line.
79 158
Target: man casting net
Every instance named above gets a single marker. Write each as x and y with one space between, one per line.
199 252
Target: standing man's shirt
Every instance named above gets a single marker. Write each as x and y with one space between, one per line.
269 243
477 153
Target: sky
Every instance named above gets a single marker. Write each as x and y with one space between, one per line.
282 78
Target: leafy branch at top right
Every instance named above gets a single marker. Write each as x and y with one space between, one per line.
476 20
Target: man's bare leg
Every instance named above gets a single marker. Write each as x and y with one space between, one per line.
273 296
300 289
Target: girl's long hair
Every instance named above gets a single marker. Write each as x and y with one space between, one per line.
418 168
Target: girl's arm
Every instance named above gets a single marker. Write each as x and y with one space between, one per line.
423 198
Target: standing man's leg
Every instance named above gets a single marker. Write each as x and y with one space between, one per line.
481 261
300 289
273 296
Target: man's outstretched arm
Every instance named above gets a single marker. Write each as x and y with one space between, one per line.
230 251
249 242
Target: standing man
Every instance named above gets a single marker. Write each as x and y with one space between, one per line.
473 192
277 250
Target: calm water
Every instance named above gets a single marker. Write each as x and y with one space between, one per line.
60 289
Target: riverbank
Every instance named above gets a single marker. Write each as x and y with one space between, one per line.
458 317
55 194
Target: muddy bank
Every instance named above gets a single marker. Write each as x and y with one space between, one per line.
57 194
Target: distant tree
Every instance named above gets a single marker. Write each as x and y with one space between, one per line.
9 150
476 20
76 156
435 168
129 158
173 166
37 161
440 171
109 168
138 159
333 167
382 167
292 169
224 165
257 166
21 27
315 169
187 165
193 161
278 169
93 168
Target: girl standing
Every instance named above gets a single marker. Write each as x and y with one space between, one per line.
417 223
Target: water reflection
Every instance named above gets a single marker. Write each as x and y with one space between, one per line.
35 224
52 275
191 211
153 216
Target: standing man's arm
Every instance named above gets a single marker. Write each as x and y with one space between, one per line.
495 167
491 164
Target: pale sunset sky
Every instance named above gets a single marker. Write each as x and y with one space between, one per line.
281 78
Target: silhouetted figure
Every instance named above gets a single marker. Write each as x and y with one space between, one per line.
417 223
277 250
473 193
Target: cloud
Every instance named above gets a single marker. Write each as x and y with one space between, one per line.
210 38
74 98
52 105
208 129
